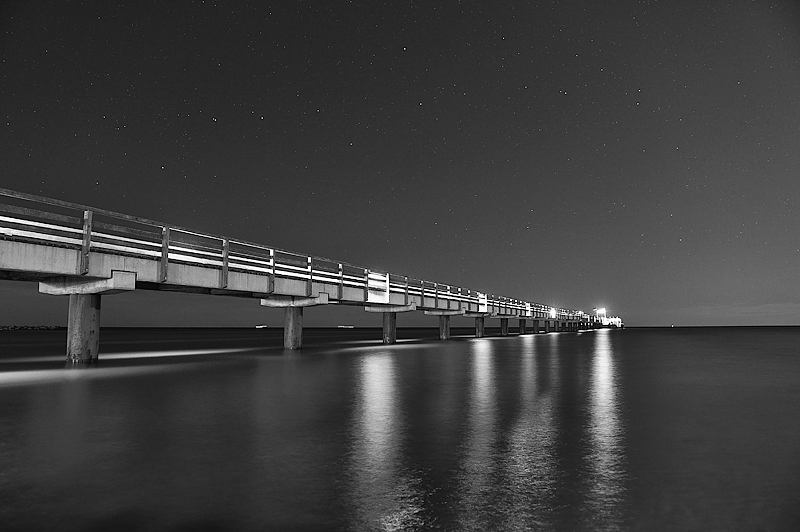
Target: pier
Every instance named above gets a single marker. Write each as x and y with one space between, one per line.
86 253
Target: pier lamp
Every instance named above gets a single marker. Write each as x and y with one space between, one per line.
552 313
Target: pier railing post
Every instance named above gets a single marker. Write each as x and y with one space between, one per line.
83 267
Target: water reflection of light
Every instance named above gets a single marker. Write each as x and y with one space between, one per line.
483 386
132 355
385 497
531 465
479 459
377 408
607 447
44 376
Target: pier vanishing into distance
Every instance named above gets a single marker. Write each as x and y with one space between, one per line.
85 253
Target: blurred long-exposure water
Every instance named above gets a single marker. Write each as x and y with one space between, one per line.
221 429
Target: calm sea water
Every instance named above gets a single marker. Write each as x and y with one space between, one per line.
636 429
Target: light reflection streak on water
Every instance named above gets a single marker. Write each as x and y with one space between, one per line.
133 355
42 376
385 498
479 457
606 461
531 465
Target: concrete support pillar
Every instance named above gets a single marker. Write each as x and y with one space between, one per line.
503 326
535 327
444 327
444 320
390 319
83 328
293 315
293 328
547 326
389 327
479 327
83 321
522 326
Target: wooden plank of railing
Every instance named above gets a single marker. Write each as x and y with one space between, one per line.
74 206
126 230
24 211
26 224
179 237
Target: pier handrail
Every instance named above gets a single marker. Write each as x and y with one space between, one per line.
173 243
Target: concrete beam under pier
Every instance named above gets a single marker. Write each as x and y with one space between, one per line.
480 322
83 320
293 315
390 319
294 301
444 320
63 286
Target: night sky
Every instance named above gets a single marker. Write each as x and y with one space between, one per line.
642 156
